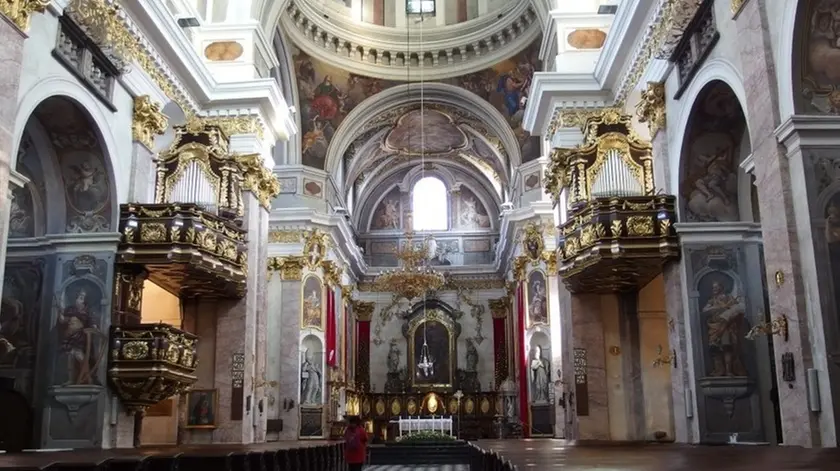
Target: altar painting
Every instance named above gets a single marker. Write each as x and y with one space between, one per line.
438 339
313 306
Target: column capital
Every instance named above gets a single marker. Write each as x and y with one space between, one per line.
257 179
290 267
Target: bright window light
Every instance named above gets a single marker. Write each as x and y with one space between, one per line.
420 6
430 205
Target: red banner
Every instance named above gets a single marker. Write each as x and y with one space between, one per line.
524 413
500 350
362 361
330 334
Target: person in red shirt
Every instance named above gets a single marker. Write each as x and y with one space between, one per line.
355 443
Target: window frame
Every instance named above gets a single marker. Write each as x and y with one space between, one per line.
446 205
410 3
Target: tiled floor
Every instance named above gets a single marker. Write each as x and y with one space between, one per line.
399 467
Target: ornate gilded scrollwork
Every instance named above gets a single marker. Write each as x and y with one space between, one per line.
151 362
258 179
532 242
315 248
290 267
363 310
148 121
20 11
500 308
651 108
100 20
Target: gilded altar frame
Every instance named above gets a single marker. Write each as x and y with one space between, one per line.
410 329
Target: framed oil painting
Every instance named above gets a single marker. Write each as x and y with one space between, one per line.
202 408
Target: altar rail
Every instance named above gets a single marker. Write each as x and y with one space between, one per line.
474 415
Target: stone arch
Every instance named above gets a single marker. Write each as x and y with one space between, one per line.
712 182
812 65
96 116
78 178
716 69
358 121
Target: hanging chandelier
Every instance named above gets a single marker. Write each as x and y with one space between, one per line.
414 277
426 365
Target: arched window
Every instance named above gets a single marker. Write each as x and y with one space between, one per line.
430 205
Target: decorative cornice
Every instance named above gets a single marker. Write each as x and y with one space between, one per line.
148 121
363 310
677 17
20 11
500 308
651 107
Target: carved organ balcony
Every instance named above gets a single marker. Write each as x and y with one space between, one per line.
619 232
190 241
150 362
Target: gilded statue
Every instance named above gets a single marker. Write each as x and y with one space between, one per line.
148 121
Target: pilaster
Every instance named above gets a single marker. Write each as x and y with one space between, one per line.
778 227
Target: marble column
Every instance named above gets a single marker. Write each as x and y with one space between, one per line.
562 351
240 324
778 227
589 359
682 394
285 341
11 56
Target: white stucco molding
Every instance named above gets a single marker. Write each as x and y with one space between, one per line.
680 110
784 58
718 232
809 131
356 121
163 30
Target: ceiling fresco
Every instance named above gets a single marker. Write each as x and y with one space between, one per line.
328 93
442 135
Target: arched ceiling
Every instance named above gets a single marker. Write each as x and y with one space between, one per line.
340 111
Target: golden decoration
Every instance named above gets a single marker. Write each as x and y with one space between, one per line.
230 125
290 267
223 51
639 226
258 179
332 273
347 292
102 23
411 407
380 407
572 118
519 268
469 406
315 248
780 278
651 108
550 259
664 226
615 228
415 277
153 232
148 121
395 407
533 243
485 405
615 350
661 359
453 283
499 308
363 310
778 326
285 236
557 174
20 11
736 5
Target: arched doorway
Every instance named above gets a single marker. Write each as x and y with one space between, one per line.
56 287
735 378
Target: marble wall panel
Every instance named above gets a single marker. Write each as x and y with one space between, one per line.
588 332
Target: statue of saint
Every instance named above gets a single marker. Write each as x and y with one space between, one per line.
394 355
79 340
725 320
310 381
539 376
472 356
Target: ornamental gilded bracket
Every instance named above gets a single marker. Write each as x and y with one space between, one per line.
20 11
651 107
148 121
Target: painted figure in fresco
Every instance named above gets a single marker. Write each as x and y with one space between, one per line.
12 328
329 100
87 187
539 376
79 336
312 309
310 380
202 412
725 320
514 86
713 196
394 355
20 221
390 217
832 224
470 217
472 357
824 57
537 308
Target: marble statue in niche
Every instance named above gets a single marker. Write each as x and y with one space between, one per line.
471 212
723 312
472 357
19 314
538 367
80 340
387 215
537 298
821 69
711 157
313 292
394 357
395 382
21 211
311 377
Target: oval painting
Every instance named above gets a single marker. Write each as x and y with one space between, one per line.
223 51
586 38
